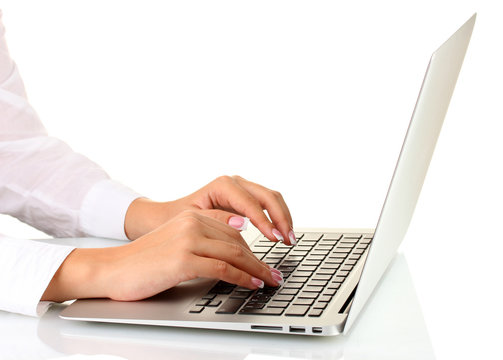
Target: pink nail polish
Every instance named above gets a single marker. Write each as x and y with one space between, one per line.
278 235
257 282
278 278
292 238
238 222
276 271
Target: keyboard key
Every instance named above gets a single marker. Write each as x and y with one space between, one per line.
196 309
290 263
320 252
280 304
348 241
320 305
310 262
335 260
209 296
316 257
308 295
265 311
326 271
358 251
351 262
240 295
306 268
230 306
322 277
324 298
352 236
279 251
345 245
329 292
254 306
298 252
342 273
317 283
339 250
312 236
283 298
332 236
294 258
283 268
330 266
298 278
338 279
346 267
315 313
289 291
292 285
214 303
303 302
260 298
297 310
203 302
334 285
316 289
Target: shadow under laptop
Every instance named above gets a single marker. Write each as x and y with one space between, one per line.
390 327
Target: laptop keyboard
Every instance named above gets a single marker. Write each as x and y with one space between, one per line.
313 270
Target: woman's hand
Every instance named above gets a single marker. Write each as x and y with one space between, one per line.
189 246
227 199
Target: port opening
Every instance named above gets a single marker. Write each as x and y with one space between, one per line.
297 329
317 330
266 328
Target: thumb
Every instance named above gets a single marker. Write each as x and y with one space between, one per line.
238 222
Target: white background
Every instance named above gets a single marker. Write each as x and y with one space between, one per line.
311 98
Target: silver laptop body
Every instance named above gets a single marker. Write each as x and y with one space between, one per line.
335 270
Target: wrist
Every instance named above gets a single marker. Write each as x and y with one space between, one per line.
85 273
145 215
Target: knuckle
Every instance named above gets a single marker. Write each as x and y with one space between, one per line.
276 194
237 250
225 179
221 268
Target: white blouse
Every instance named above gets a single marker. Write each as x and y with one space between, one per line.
46 185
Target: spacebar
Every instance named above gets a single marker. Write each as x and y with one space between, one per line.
230 306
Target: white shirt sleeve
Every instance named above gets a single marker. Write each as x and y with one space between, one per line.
47 185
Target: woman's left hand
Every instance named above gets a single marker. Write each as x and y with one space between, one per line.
228 199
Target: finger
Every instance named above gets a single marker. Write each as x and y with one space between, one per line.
239 223
228 194
220 269
275 205
235 255
214 229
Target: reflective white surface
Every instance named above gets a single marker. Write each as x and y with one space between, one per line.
390 327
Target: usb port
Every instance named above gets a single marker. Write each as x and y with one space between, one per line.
317 330
297 329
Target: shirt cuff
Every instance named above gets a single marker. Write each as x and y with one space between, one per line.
26 269
104 209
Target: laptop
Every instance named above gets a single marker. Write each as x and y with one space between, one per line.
330 273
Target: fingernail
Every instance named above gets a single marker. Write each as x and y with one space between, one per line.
292 238
276 271
278 235
257 282
238 222
278 278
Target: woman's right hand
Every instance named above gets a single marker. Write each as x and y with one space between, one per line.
189 246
